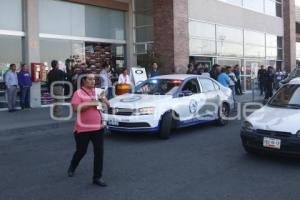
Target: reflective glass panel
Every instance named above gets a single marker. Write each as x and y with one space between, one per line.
11 15
202 47
203 30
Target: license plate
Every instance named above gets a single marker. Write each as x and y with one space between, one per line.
113 123
272 143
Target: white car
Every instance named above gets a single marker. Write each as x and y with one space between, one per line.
170 101
275 127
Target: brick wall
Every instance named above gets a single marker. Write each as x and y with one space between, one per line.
171 34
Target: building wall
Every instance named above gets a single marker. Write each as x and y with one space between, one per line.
227 14
171 34
289 16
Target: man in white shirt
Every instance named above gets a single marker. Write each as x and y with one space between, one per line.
11 82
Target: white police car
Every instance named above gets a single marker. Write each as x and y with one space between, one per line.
275 127
170 101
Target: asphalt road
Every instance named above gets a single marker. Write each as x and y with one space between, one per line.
199 163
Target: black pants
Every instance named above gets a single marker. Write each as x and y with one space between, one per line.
268 91
238 87
261 87
82 141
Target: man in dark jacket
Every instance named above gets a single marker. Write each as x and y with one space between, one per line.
269 80
57 88
261 79
215 71
25 83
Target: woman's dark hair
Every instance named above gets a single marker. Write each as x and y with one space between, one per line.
84 76
54 64
124 69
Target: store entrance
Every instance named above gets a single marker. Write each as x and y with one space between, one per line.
204 62
250 67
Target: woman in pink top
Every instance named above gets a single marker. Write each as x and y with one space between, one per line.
88 127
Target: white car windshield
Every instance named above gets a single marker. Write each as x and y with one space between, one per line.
288 96
158 87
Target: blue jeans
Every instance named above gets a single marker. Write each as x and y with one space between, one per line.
109 93
25 97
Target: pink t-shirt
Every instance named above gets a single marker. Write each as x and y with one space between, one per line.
90 119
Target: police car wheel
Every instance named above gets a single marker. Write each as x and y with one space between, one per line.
223 112
165 125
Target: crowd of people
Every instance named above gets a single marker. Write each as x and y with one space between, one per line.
106 76
227 76
268 80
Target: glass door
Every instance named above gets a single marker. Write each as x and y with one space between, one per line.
246 73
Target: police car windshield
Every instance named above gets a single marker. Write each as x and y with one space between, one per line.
288 96
158 87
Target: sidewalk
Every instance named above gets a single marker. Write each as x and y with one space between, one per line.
28 120
248 97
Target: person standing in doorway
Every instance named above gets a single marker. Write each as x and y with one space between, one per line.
88 127
58 88
154 72
261 79
25 83
11 82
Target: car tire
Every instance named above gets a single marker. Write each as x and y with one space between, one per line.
223 111
166 125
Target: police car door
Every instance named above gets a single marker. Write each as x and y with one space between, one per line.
188 101
210 99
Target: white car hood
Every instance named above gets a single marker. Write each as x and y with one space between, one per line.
139 100
276 119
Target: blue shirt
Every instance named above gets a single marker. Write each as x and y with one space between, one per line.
11 79
154 73
224 79
24 79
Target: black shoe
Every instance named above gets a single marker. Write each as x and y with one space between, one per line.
70 172
100 182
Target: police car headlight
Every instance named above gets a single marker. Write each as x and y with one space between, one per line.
247 126
145 111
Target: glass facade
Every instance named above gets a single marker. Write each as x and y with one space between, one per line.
11 15
229 41
223 41
81 20
230 46
269 7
